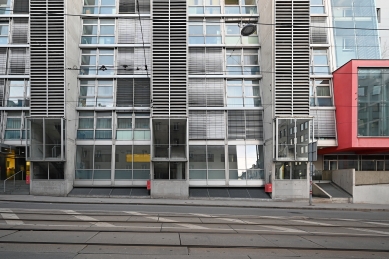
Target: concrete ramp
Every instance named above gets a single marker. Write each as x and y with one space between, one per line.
333 190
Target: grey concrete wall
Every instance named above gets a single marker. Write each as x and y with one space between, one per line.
345 179
266 36
169 189
49 187
375 194
73 54
290 189
371 177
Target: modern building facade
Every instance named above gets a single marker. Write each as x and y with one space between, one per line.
112 93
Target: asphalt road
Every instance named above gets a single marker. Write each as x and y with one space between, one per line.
44 230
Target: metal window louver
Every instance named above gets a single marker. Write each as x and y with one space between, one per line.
292 19
125 95
169 58
18 61
47 49
319 30
3 61
324 123
2 91
21 6
19 33
206 92
207 125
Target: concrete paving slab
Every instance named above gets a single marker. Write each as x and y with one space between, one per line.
332 230
124 226
134 250
198 192
239 193
264 229
80 191
340 254
121 256
42 217
141 219
362 243
26 255
4 233
111 218
38 248
49 237
135 238
219 192
189 227
183 219
140 192
242 251
288 241
51 226
225 240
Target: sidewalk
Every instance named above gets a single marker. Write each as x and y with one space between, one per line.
244 203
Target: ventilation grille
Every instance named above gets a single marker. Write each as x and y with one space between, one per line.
207 125
19 31
47 58
324 121
319 29
169 58
292 57
206 92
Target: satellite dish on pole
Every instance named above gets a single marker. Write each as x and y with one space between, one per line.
248 29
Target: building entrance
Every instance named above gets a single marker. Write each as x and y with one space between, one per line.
13 160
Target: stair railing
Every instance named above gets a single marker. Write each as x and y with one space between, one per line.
14 176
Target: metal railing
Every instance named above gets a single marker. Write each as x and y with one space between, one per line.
14 176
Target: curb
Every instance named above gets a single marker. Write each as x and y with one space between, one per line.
313 207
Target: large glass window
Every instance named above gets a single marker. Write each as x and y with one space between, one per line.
291 170
234 37
245 162
99 7
96 93
320 64
14 126
94 126
243 93
320 92
373 102
4 31
317 7
242 62
240 7
98 31
204 6
5 6
206 162
205 33
93 162
19 93
97 62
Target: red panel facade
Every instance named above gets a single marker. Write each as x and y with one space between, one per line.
345 80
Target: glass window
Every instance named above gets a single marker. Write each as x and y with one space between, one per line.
234 37
320 65
205 33
19 93
317 7
320 92
96 93
5 6
240 7
242 62
98 31
4 27
373 106
97 62
99 7
204 7
243 93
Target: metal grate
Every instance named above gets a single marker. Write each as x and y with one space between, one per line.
169 58
292 57
47 58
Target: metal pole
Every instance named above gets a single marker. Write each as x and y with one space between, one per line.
310 183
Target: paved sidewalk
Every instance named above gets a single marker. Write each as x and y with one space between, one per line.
244 203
